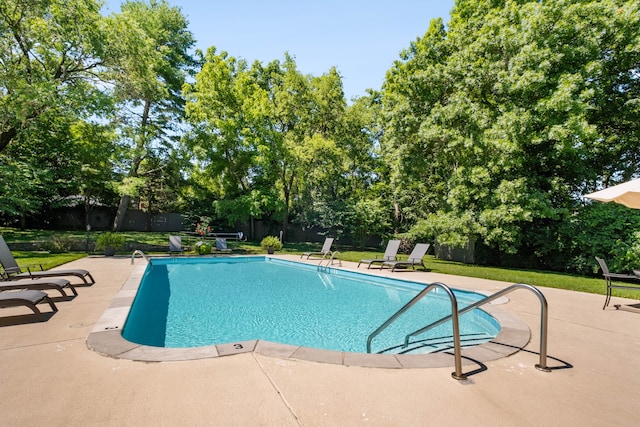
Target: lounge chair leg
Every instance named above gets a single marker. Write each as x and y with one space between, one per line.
607 298
36 311
51 304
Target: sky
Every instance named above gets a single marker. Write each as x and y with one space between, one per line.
360 38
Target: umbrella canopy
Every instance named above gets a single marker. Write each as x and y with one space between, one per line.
627 194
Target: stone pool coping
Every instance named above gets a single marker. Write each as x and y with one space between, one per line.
106 339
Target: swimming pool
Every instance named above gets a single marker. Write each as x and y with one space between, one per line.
194 302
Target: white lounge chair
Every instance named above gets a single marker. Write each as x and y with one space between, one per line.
221 245
326 249
389 254
415 258
175 244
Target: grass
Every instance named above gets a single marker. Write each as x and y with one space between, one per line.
531 277
35 260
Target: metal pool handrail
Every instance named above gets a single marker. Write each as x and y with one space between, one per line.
139 252
458 375
542 366
329 260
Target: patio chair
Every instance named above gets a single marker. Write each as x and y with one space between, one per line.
13 270
175 244
28 298
326 249
623 277
40 284
415 258
389 254
221 245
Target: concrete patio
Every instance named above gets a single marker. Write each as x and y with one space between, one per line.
50 377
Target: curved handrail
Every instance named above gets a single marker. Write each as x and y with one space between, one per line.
456 327
543 319
329 260
139 252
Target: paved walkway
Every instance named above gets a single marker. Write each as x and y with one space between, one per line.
50 377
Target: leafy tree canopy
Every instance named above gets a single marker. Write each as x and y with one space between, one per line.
497 123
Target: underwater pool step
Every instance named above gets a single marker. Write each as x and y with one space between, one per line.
436 345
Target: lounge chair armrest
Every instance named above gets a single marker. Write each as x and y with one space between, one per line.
11 270
623 276
32 267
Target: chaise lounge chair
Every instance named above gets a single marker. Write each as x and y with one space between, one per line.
13 270
389 254
221 245
610 285
326 249
28 298
175 244
40 284
415 258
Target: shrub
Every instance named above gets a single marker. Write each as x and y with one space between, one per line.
271 242
58 244
203 248
110 240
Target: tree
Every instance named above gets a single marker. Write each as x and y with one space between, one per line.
260 134
226 108
94 173
343 185
151 46
51 53
501 117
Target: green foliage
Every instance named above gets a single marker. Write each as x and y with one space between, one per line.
627 254
203 248
495 125
51 52
271 242
367 218
19 187
263 136
110 240
487 129
58 244
149 46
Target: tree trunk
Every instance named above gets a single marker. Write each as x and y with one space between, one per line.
6 137
118 222
285 224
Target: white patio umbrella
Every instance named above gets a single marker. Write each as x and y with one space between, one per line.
627 194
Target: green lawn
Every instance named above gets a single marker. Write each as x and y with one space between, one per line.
531 277
34 260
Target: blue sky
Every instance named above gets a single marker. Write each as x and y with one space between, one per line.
360 38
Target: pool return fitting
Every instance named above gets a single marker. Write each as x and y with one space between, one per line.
454 317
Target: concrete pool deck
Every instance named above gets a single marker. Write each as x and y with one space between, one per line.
50 376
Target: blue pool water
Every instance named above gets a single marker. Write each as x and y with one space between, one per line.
192 302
